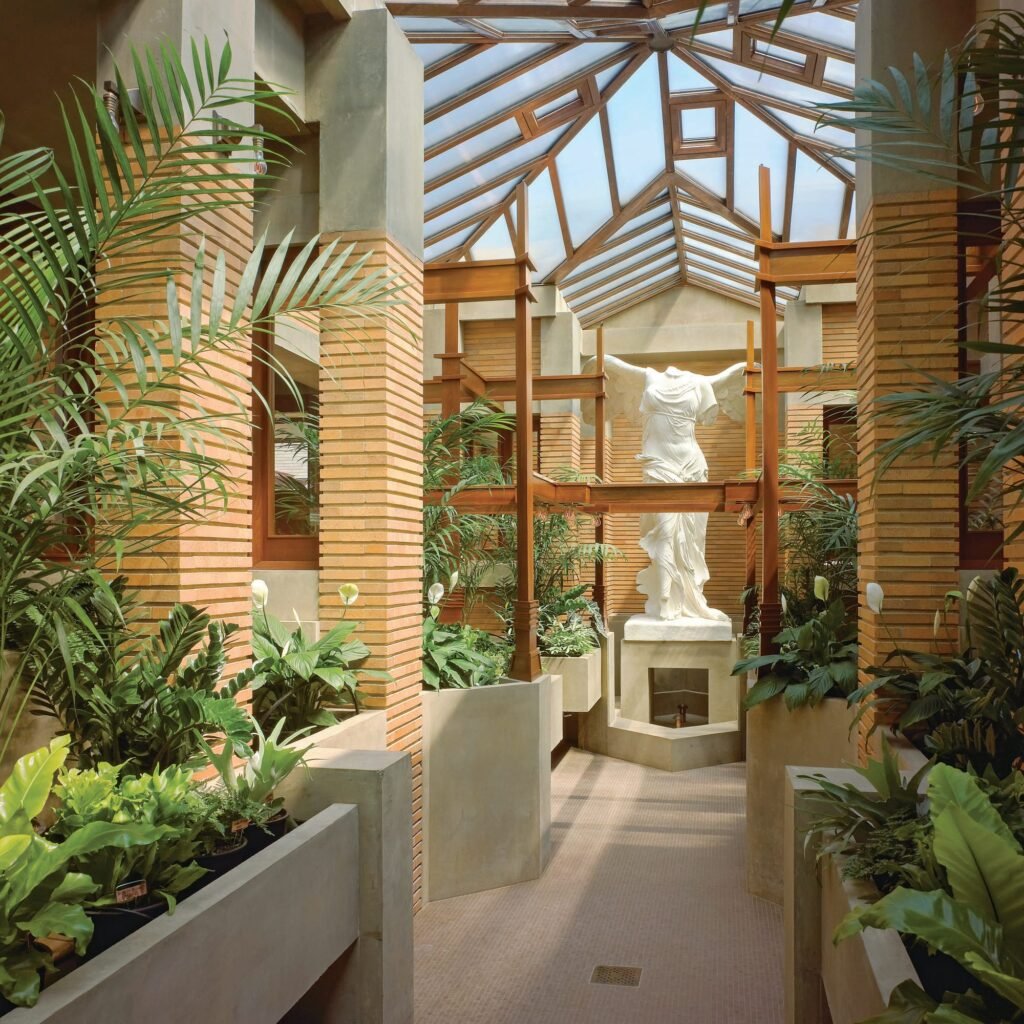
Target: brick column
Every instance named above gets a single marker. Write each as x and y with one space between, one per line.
909 523
365 87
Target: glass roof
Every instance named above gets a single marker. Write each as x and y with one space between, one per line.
638 135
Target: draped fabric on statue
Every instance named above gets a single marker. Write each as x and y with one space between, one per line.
673 403
669 405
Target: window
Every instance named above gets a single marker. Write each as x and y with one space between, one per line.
286 478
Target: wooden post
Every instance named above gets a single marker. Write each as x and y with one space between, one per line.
750 464
453 607
600 468
526 656
771 609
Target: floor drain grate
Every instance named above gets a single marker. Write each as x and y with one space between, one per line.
605 975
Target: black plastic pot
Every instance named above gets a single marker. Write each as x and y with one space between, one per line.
259 837
6 1006
218 862
112 924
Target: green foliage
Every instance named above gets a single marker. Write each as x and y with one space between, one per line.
109 427
41 889
264 767
977 917
461 451
166 801
959 122
969 709
137 700
572 639
456 657
227 813
817 659
304 683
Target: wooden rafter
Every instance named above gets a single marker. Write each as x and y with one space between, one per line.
572 284
666 117
626 278
590 317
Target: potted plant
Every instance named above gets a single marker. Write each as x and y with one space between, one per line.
300 682
264 767
569 638
458 656
44 892
797 713
139 700
141 882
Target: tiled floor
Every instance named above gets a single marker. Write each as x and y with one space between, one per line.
646 871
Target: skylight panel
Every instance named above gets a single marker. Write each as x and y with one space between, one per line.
579 287
810 127
472 149
683 78
643 218
825 28
622 280
756 144
817 201
643 239
470 73
431 53
482 205
637 131
709 172
606 77
761 80
583 176
698 244
684 19
494 243
546 246
595 309
446 245
840 72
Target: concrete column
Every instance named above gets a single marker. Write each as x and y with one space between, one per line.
374 985
207 563
364 86
907 295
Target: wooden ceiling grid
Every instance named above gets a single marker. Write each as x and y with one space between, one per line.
742 66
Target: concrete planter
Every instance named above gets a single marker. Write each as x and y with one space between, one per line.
581 679
777 737
365 731
247 947
859 974
486 786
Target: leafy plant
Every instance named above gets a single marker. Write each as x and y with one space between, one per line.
167 801
816 659
304 683
572 639
967 709
41 893
454 656
111 427
228 812
977 918
264 767
961 122
142 701
461 451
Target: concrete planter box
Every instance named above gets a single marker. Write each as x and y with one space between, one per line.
246 948
486 786
775 738
581 679
365 731
827 983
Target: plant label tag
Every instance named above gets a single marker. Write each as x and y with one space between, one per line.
129 892
240 824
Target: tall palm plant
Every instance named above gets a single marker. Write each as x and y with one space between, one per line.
963 123
110 429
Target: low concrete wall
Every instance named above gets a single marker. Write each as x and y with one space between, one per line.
245 948
777 737
486 786
581 680
604 731
365 731
827 983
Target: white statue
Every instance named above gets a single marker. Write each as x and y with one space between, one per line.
669 405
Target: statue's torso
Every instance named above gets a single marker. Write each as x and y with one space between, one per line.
670 406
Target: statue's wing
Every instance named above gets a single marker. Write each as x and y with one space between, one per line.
728 388
624 389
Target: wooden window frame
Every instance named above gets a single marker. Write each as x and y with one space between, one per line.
271 550
684 149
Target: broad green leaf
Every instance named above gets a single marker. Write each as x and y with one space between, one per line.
28 786
68 920
949 787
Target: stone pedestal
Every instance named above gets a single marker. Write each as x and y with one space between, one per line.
650 643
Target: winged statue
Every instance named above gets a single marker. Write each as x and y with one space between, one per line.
669 405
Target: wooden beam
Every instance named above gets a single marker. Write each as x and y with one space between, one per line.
830 261
609 159
572 284
771 609
453 60
590 317
579 299
469 282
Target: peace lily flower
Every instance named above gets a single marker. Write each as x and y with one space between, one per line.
821 588
348 592
454 581
260 593
435 593
937 623
874 595
785 606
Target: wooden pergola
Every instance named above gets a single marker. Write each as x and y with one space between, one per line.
781 263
